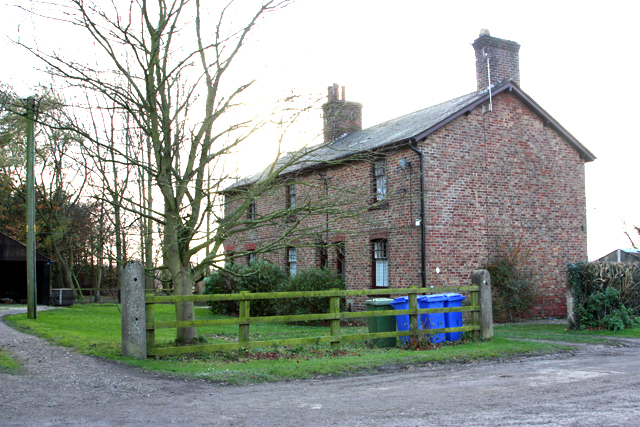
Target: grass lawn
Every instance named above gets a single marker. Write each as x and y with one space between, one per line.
95 330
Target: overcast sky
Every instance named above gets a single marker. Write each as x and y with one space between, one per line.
579 60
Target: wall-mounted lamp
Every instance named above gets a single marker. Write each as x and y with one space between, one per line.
404 164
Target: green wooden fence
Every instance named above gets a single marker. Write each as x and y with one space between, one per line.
244 319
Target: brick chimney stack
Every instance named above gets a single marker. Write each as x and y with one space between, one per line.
340 116
503 60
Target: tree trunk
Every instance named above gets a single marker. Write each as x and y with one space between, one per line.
148 247
98 283
183 285
65 271
181 277
100 255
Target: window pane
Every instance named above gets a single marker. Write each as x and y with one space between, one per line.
381 180
382 272
292 196
293 261
340 262
380 249
381 265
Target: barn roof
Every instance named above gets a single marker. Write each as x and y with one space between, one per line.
411 127
13 250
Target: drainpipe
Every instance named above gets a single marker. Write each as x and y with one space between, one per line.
423 273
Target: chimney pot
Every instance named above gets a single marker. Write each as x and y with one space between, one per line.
484 32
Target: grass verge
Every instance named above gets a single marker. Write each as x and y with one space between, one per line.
554 332
8 364
95 330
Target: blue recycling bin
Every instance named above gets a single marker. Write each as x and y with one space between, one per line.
454 319
432 320
402 320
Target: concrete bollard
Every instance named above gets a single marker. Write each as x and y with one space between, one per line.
134 320
482 278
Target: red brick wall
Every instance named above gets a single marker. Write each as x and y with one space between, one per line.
500 174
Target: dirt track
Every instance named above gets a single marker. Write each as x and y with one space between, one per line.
595 385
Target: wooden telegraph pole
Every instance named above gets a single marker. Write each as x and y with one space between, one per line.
32 290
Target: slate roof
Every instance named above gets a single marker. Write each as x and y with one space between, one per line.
410 127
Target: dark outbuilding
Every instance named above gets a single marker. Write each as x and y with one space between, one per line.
13 271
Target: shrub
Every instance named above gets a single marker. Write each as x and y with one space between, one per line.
264 276
222 282
605 295
513 280
260 276
313 279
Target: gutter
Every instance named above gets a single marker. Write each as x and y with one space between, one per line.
423 272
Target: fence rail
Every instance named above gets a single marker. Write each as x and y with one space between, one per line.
80 293
334 316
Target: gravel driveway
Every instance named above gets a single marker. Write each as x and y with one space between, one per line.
594 385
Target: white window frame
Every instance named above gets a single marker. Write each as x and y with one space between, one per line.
381 263
291 196
380 176
292 261
251 210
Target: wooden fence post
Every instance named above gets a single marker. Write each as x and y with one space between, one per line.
151 331
475 317
482 278
413 318
243 317
334 308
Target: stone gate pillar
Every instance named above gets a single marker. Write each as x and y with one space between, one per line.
134 320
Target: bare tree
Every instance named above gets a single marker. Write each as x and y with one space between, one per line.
166 74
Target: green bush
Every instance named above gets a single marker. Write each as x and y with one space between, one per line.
313 279
605 310
513 280
222 282
605 295
265 276
260 276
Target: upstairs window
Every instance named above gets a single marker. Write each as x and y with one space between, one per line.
292 261
340 259
251 210
323 256
380 180
251 257
291 196
380 264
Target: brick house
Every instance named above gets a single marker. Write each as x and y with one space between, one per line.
420 200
